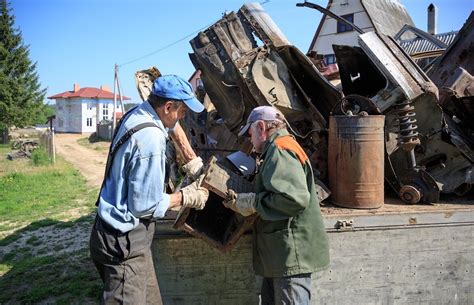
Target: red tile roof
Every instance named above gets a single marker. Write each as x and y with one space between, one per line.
87 92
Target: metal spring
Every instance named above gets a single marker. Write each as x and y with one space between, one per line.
407 134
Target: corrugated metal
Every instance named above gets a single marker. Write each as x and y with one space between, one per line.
388 16
417 45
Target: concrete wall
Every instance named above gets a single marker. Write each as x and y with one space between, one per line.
72 114
430 264
68 115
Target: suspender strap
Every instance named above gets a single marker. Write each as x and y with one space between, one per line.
113 150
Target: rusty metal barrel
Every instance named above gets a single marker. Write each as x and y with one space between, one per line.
356 160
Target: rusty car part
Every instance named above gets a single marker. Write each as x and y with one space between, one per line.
215 224
419 153
356 160
246 61
453 73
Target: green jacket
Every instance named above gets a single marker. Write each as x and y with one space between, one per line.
289 236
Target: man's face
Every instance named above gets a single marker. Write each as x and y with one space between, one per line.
174 113
258 135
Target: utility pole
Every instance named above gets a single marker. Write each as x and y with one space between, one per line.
115 101
116 86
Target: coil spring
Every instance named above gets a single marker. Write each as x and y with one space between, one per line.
407 134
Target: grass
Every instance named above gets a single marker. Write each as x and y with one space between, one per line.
44 208
40 157
92 142
32 279
28 197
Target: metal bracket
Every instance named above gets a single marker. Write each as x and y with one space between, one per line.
344 224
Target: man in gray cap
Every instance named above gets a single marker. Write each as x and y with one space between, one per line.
133 194
289 239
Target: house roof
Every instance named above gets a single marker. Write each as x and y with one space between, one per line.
377 11
419 44
87 92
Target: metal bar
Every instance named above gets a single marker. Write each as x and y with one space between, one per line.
328 12
421 34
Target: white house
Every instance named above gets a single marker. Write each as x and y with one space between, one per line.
384 16
80 110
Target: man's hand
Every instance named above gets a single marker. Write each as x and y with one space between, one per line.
242 203
193 168
195 196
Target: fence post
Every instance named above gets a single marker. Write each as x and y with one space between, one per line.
53 146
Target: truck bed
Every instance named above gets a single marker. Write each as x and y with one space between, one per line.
397 254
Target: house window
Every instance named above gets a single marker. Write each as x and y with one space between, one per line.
329 59
89 122
90 106
342 27
105 112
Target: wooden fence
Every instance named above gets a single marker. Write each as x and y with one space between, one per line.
47 141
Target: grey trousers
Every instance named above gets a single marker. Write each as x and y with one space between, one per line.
125 263
294 290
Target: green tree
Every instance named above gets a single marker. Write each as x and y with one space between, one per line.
21 98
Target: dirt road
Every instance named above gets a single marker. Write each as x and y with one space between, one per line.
90 160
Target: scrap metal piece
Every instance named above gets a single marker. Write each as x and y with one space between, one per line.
240 73
453 73
410 194
217 225
419 154
144 81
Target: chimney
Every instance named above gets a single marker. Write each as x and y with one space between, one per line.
432 19
105 88
76 87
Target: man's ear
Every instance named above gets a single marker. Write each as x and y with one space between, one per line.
168 106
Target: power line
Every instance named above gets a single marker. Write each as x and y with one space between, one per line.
165 47
173 43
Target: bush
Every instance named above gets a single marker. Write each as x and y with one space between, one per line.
40 157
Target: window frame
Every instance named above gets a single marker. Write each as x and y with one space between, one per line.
342 27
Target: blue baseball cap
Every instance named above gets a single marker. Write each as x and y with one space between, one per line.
261 113
176 88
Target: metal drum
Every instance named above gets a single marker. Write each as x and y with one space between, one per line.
356 160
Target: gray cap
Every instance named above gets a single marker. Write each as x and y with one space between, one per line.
263 113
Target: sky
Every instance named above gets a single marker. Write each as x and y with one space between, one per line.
80 41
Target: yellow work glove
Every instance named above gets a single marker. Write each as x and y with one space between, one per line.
195 196
193 168
242 203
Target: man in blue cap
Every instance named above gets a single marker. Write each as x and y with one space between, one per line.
133 193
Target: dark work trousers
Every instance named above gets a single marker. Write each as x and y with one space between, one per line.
125 264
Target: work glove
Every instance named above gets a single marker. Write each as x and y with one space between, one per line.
195 196
242 203
193 168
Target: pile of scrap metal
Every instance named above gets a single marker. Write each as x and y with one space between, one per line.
22 149
246 61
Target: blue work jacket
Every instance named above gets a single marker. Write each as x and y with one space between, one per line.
135 185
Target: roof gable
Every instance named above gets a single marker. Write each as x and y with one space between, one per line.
376 10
